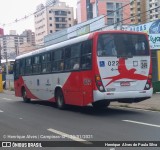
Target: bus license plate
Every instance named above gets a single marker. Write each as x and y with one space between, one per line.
126 83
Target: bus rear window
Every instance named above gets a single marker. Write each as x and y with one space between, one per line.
122 45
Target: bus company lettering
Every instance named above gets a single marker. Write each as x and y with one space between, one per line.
139 28
125 73
154 39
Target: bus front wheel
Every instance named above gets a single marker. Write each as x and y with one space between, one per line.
101 104
60 100
24 95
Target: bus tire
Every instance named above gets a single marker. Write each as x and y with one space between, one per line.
101 104
60 100
24 95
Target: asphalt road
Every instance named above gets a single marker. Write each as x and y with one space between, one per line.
42 121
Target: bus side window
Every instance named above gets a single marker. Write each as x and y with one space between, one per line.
28 66
68 62
36 64
46 62
75 56
22 66
17 71
86 57
58 62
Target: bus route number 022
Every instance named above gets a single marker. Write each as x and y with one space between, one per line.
112 63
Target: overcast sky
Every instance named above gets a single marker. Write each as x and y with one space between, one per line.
10 10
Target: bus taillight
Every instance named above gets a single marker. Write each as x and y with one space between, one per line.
99 83
149 83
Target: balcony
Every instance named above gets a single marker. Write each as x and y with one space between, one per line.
60 13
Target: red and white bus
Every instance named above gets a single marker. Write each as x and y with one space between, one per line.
96 68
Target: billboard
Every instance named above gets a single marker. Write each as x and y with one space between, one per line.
152 29
86 27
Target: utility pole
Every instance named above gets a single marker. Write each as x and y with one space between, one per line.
6 63
121 17
115 17
0 54
96 8
17 50
1 84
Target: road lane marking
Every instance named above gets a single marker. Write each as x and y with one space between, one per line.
142 123
74 138
7 99
1 111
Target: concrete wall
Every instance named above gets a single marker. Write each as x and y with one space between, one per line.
9 82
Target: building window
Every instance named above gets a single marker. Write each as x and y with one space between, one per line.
110 6
50 18
50 25
110 13
57 25
138 3
51 31
110 21
50 11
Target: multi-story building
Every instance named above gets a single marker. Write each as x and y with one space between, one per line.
154 7
115 10
26 47
30 36
138 11
10 44
52 18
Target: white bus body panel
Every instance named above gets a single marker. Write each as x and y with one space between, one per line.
44 90
117 87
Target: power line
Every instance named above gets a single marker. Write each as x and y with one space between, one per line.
107 25
93 21
27 16
105 16
78 28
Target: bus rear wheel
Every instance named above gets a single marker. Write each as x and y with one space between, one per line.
101 104
60 100
24 95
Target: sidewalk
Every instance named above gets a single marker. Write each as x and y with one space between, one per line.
149 104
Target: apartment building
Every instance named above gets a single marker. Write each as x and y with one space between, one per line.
154 7
52 18
10 44
30 36
114 10
138 11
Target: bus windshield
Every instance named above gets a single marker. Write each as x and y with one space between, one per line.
122 45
